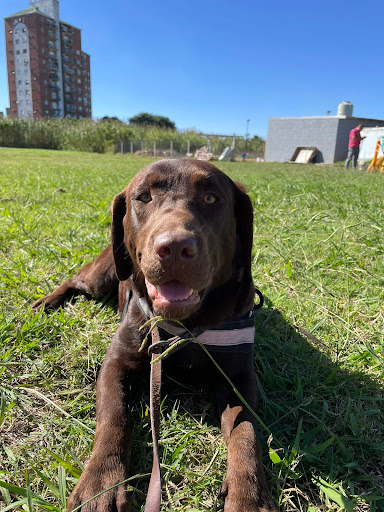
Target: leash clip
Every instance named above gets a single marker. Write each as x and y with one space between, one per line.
158 345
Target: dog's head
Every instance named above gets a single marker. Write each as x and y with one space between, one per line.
182 228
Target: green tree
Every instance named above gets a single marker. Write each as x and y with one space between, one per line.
145 119
256 143
109 119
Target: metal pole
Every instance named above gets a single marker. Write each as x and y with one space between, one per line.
121 147
142 146
171 148
188 147
131 148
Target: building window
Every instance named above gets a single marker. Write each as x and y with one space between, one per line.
17 41
17 52
24 50
46 102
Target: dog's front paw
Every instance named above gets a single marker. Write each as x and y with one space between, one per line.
49 302
245 496
91 492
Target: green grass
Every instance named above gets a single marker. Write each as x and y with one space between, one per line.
318 258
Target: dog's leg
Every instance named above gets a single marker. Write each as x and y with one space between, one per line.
94 280
109 462
245 488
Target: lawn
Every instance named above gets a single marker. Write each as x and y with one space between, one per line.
319 260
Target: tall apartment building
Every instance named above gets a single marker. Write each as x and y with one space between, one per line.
48 73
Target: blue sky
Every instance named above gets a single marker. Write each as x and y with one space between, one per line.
212 65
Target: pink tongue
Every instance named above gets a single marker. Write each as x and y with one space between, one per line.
174 290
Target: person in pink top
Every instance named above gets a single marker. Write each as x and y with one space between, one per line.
354 146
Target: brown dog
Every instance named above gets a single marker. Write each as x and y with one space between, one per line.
181 248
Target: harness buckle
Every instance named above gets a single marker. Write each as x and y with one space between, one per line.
154 348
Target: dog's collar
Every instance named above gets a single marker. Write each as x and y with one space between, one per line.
234 335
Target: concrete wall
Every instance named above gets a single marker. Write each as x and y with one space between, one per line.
329 134
285 134
22 71
49 7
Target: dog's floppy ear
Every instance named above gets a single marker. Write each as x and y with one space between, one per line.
123 262
244 226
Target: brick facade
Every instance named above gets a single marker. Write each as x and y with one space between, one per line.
76 73
48 73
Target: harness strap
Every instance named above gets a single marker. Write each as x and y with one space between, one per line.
153 501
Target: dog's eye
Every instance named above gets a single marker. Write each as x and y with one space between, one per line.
209 198
145 198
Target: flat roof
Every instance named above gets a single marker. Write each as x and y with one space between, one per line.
69 24
330 117
35 10
30 10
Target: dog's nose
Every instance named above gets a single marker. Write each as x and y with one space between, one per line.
175 245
